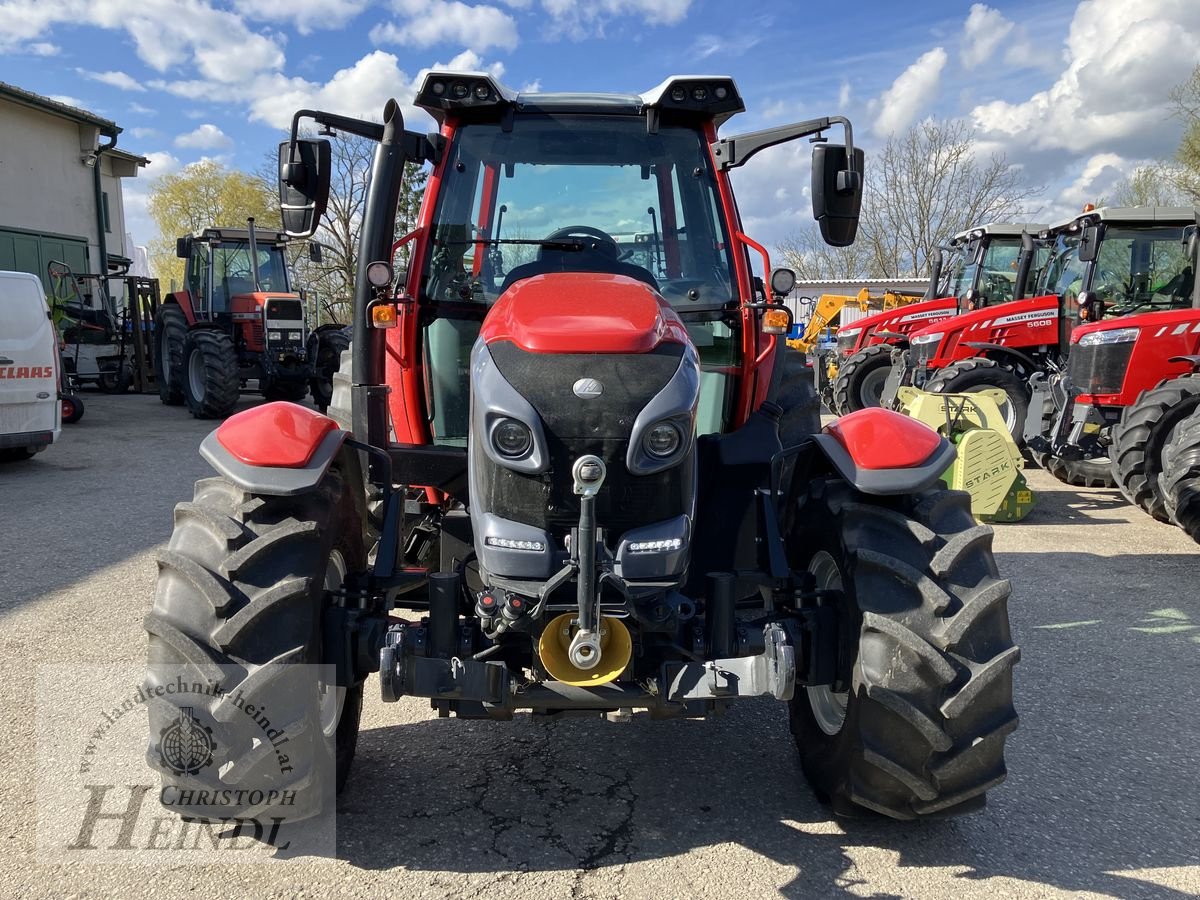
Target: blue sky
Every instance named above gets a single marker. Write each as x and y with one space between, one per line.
1073 92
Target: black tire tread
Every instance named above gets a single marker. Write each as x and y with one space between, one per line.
171 321
1081 472
238 591
222 381
851 372
1182 477
330 345
961 376
1138 440
796 394
927 730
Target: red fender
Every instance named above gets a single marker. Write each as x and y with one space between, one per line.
277 448
884 452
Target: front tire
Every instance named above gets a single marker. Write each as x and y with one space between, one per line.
1181 477
242 586
329 347
170 327
1079 472
971 375
926 654
796 394
1140 436
211 381
861 378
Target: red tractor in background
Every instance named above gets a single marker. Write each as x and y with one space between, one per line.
992 261
579 485
1130 380
1105 250
237 319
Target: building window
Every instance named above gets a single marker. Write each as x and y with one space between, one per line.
107 220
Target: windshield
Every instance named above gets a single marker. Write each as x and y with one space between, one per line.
994 276
582 193
1142 269
1064 271
233 277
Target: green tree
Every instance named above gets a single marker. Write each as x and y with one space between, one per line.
203 195
1186 98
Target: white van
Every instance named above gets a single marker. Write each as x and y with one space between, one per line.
30 412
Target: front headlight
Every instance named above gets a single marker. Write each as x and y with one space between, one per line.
275 336
512 439
848 332
933 338
294 335
1115 336
662 440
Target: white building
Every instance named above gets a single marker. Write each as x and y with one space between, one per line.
60 186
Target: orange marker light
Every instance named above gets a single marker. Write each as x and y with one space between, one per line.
775 321
383 315
1089 207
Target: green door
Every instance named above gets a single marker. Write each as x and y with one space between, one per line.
23 251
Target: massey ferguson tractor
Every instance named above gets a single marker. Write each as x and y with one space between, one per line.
576 485
237 319
989 264
1130 380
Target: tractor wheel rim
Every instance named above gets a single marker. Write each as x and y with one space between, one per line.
196 374
828 706
332 696
870 392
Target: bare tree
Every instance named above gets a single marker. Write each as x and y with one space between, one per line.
812 259
920 189
331 280
1156 185
1186 174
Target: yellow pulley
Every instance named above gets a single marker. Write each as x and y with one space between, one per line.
616 648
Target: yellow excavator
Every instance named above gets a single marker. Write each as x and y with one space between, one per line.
830 305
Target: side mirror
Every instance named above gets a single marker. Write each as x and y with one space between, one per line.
837 185
183 247
1089 243
303 184
314 252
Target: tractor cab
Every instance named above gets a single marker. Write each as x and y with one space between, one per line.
993 264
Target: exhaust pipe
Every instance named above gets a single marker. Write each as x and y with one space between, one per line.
253 254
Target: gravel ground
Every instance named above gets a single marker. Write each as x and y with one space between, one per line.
1103 797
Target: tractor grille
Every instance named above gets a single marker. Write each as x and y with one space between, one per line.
576 427
921 354
1100 369
286 310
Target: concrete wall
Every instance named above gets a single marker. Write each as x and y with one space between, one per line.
43 184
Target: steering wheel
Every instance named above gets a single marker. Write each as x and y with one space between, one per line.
607 247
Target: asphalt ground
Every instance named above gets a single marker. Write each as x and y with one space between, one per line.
1102 800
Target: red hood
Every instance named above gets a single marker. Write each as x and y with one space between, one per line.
1014 312
582 312
1160 322
922 309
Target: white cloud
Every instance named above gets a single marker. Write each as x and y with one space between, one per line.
1099 175
306 15
206 137
113 79
142 133
581 20
844 96
162 163
43 49
1122 60
984 31
165 33
910 94
140 109
67 100
430 22
727 46
531 87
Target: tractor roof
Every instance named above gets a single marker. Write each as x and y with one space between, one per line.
475 96
1000 229
261 236
1131 215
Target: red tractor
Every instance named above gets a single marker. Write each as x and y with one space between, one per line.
991 261
1130 378
237 319
580 483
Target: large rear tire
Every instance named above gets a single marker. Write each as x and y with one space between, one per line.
1143 432
211 381
329 347
242 586
170 327
796 393
1181 476
970 375
291 390
927 654
860 379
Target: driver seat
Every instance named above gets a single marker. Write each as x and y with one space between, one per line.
594 260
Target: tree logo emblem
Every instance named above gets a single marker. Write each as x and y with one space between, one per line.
186 746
